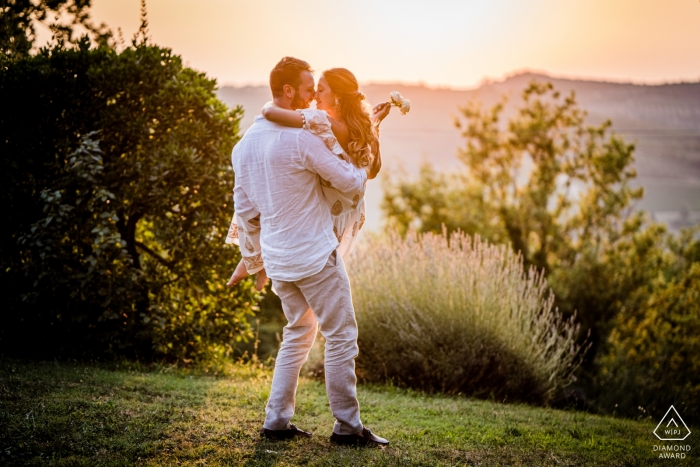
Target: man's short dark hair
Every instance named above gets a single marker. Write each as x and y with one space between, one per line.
287 71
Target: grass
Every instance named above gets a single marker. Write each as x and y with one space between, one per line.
87 414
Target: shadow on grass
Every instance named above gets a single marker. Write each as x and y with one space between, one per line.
80 414
266 452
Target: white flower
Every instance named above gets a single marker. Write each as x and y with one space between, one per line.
396 98
405 106
399 101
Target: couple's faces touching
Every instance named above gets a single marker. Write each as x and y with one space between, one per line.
304 94
325 99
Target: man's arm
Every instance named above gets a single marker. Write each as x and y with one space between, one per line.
317 158
249 243
242 205
248 220
241 202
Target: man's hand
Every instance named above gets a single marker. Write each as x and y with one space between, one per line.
380 111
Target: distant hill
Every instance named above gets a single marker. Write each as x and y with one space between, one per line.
662 120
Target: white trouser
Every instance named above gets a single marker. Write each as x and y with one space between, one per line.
323 299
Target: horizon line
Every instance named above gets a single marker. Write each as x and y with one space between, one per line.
489 80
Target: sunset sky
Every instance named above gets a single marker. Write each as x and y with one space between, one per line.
454 43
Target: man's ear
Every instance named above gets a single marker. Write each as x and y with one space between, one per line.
289 91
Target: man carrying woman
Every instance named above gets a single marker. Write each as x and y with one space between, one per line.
281 173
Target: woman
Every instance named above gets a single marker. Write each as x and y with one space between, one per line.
349 128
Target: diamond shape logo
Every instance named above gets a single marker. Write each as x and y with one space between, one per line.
672 427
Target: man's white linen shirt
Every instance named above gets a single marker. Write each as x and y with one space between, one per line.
278 173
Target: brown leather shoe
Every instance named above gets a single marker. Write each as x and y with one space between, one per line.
292 432
363 438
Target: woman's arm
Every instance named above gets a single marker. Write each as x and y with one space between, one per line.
285 117
292 118
379 113
377 162
342 134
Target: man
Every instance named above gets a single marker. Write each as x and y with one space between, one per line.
277 178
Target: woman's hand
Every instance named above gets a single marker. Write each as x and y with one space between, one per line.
380 111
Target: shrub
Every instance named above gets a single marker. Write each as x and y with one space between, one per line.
116 192
651 359
458 316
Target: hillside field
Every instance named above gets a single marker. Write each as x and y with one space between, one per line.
74 414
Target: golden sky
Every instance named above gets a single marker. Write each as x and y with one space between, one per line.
454 43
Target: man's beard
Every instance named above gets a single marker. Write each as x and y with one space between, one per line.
298 102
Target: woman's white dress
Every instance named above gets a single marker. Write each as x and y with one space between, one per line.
347 208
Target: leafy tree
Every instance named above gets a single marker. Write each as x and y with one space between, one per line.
117 198
436 200
553 187
575 192
62 17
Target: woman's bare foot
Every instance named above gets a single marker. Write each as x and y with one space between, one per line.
238 275
241 273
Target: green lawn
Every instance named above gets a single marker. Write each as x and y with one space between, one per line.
80 414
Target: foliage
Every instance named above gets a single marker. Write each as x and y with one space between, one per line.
459 317
550 183
62 17
558 191
116 195
651 357
435 201
544 182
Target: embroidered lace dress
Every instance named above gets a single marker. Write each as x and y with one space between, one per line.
347 208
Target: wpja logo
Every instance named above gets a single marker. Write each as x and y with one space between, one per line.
672 428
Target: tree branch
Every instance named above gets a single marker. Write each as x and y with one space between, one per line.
156 256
